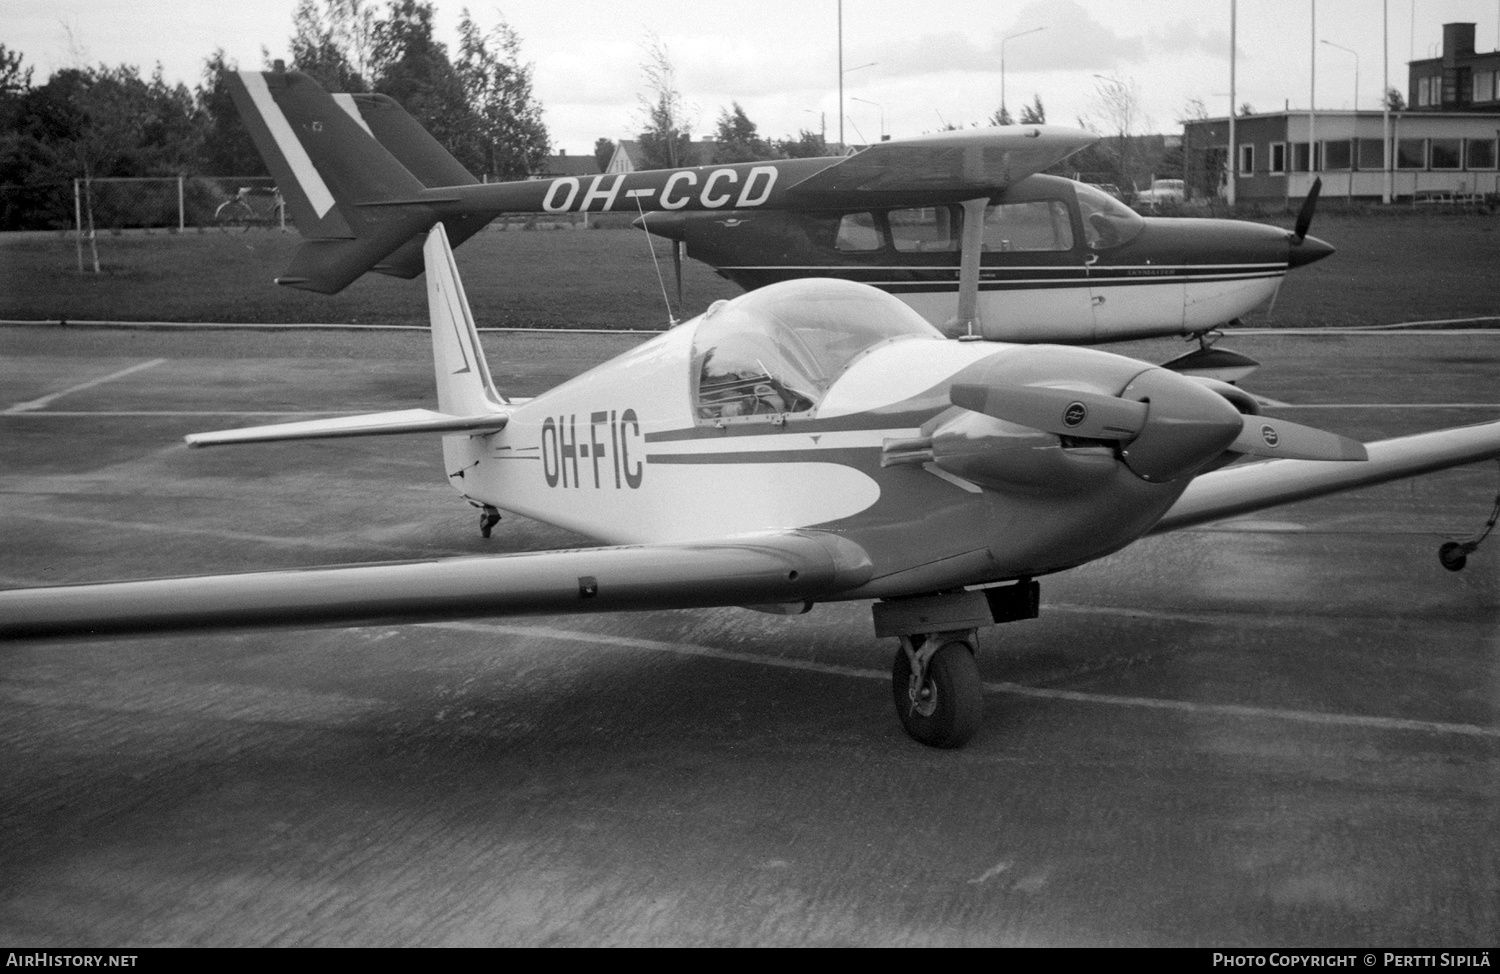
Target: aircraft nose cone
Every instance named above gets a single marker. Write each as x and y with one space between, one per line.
1309 250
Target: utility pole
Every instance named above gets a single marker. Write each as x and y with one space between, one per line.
1234 159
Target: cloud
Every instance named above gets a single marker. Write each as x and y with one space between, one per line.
1184 37
1070 40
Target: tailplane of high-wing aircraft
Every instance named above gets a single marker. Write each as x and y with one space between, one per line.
810 441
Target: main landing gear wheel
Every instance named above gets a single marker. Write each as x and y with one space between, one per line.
943 707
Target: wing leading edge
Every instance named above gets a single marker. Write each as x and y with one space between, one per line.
774 568
1253 487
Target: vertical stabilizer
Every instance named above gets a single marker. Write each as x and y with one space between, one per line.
463 378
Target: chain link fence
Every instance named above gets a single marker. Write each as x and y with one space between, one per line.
115 205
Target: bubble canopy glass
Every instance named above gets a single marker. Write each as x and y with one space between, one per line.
777 350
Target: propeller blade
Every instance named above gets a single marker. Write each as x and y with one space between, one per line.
1066 412
1263 436
1305 215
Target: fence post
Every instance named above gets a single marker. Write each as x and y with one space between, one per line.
78 223
181 221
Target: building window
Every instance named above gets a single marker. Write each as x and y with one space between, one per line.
1481 153
1424 92
1278 157
1411 153
1447 153
1299 157
1484 86
1247 158
1336 155
1371 154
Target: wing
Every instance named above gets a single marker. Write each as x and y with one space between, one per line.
775 568
1253 487
960 164
367 424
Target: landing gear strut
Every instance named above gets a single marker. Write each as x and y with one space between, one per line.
1454 555
936 685
935 680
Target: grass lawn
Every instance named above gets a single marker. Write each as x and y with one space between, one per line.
1398 265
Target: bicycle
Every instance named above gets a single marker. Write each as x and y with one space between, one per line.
241 212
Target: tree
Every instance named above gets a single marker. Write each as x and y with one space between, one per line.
1394 101
227 148
604 151
93 123
807 145
1001 117
509 130
1246 109
15 82
666 142
1034 114
739 140
1193 111
412 66
332 44
1116 108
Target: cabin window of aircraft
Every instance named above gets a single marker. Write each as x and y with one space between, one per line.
775 352
859 234
1042 225
1107 222
924 230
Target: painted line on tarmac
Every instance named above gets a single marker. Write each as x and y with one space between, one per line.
35 404
123 413
301 326
1015 689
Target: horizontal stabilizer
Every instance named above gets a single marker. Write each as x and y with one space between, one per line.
329 266
782 567
368 424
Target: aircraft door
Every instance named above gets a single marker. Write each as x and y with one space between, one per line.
1033 283
1131 295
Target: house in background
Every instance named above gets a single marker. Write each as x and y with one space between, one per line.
563 164
1447 144
628 155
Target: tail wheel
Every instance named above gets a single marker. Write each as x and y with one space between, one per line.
945 709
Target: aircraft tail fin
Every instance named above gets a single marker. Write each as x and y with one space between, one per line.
463 376
341 163
467 400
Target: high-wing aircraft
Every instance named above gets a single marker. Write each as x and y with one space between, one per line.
810 441
957 225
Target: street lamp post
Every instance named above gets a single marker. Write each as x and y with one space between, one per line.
1356 71
842 72
877 105
1353 133
1002 62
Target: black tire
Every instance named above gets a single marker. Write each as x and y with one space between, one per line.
1453 556
234 216
951 713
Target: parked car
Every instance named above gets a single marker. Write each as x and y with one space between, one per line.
1163 191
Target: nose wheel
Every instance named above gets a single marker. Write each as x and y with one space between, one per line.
937 689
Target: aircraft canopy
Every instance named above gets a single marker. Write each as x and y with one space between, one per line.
777 350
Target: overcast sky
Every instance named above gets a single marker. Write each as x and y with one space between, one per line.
933 61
